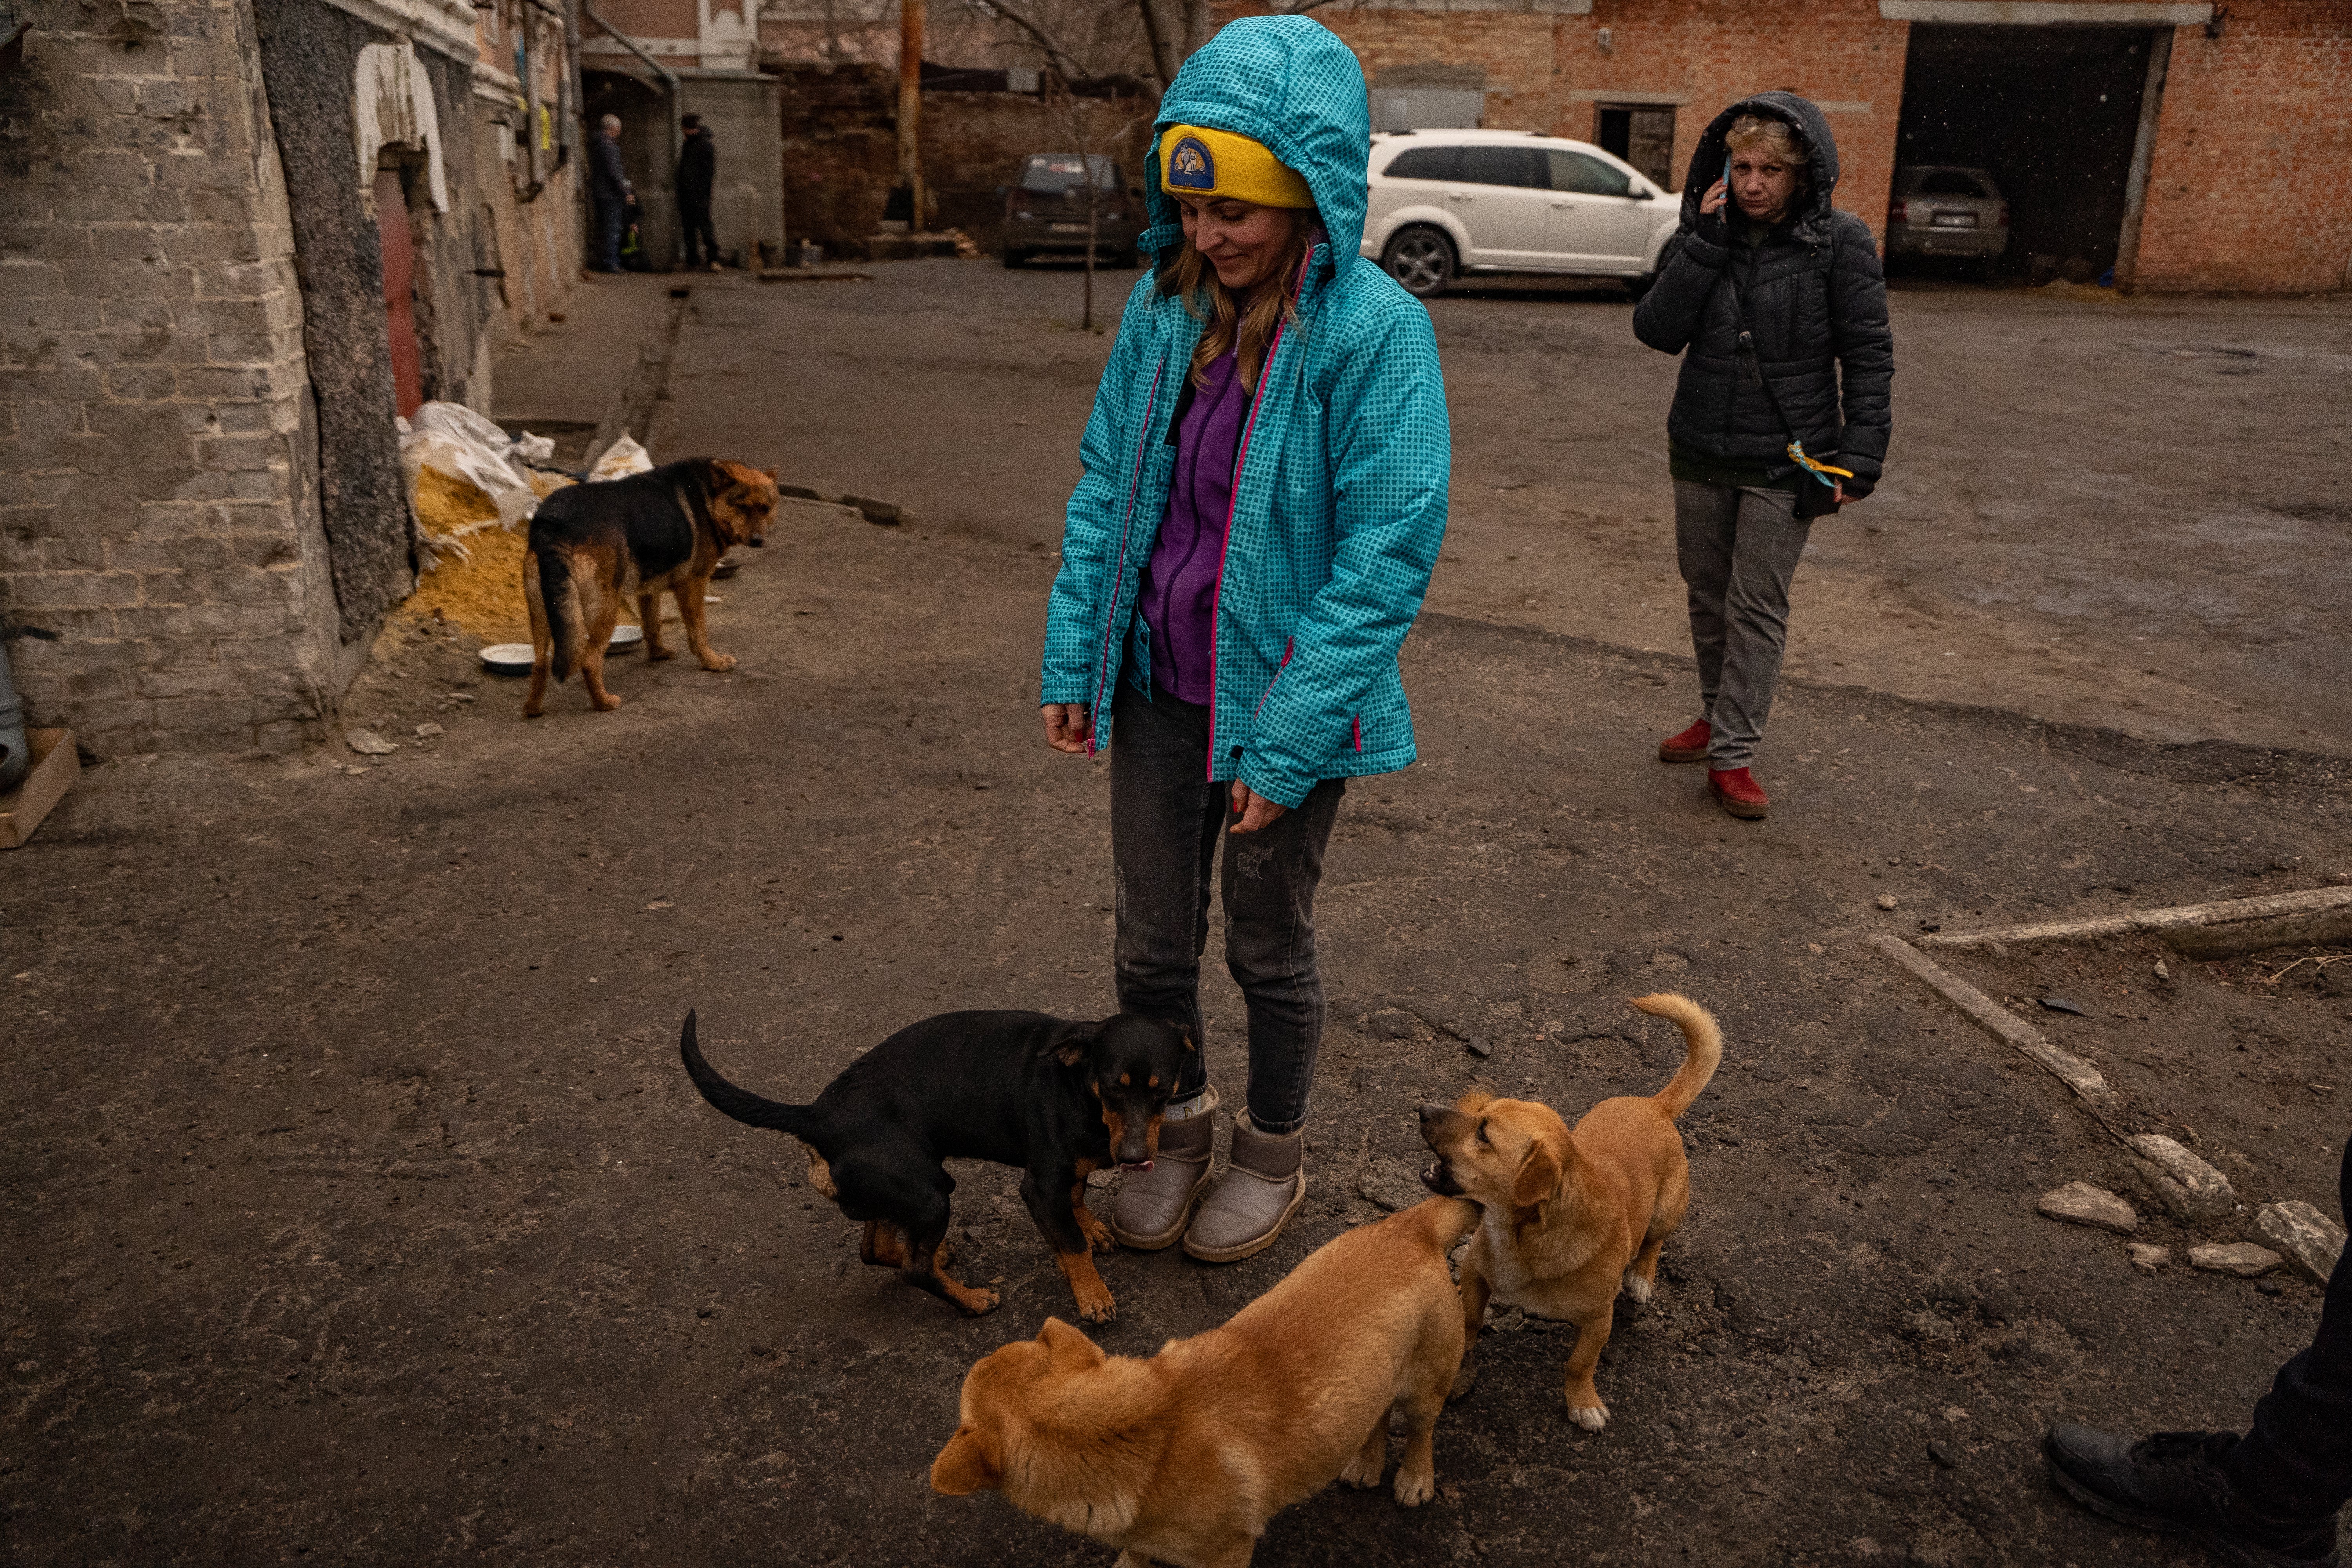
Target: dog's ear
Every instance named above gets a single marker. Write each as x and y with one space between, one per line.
773 473
1068 1349
1072 1047
1538 1176
972 1462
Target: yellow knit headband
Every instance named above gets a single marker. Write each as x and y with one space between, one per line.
1197 162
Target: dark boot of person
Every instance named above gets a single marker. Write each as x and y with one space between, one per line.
1264 1183
1154 1205
2173 1481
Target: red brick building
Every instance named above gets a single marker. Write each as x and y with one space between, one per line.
2192 146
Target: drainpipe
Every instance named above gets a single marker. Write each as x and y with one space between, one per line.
15 746
669 85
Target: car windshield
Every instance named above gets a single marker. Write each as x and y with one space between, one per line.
1051 173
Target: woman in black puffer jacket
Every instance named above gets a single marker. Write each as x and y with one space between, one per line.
1775 301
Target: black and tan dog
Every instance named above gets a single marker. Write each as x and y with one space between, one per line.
1057 1097
1570 1219
593 545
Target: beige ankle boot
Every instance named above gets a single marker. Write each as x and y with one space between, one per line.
1153 1204
1264 1183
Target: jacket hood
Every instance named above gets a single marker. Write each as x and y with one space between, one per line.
1287 82
1801 115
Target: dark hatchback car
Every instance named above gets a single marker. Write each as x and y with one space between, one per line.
1046 211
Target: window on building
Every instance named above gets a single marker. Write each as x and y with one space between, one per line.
1642 134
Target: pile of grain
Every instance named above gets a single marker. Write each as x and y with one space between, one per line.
476 580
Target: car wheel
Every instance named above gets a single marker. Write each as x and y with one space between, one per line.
1422 259
1015 257
1637 287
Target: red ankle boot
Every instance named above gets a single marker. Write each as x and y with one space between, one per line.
1690 746
1737 791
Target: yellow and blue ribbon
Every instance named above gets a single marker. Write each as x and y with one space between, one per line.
1820 470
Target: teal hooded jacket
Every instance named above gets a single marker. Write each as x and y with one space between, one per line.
1339 486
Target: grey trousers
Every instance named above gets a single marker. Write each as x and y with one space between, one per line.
1738 550
1167 833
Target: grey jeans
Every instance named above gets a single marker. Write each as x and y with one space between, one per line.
1167 828
1738 550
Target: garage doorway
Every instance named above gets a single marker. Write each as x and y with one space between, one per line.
2050 111
1642 134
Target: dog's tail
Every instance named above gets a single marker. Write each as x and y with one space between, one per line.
567 622
1704 1041
751 1110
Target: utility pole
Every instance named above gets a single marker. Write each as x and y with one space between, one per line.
910 110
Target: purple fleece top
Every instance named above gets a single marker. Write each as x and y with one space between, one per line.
1179 581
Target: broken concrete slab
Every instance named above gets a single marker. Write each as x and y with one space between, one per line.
2079 1202
2243 1259
2189 1187
2311 1241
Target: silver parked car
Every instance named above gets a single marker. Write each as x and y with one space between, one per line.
1447 203
1943 210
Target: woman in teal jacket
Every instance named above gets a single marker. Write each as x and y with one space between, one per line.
1264 498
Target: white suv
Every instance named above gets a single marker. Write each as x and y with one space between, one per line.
1446 203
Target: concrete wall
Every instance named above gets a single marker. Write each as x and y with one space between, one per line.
841 149
163 578
2250 187
742 110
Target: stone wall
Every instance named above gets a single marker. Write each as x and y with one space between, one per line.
164 576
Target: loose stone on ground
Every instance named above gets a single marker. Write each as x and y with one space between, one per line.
2079 1202
2311 1241
2189 1187
2146 1257
2243 1259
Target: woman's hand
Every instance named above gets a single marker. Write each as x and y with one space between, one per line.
1252 810
1068 728
1714 200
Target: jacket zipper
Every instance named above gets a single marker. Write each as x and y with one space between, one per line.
1118 573
1232 504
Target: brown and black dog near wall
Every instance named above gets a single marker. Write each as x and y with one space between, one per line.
593 545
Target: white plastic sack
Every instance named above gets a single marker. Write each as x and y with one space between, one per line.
621 460
487 470
457 420
533 448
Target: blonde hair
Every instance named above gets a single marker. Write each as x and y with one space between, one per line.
1244 324
1752 131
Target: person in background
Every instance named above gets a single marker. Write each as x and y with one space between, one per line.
2268 1499
1264 498
1775 301
698 173
609 193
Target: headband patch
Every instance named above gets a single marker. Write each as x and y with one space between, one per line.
1190 168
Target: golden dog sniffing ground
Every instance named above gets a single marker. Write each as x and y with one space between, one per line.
1182 1458
1567 1219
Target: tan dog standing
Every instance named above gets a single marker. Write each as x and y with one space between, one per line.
1571 1219
1182 1458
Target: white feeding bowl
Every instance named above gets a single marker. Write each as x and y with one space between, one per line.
506 658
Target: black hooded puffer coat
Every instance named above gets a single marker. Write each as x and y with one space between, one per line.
1813 297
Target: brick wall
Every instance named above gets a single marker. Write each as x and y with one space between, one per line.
841 149
162 572
2250 187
